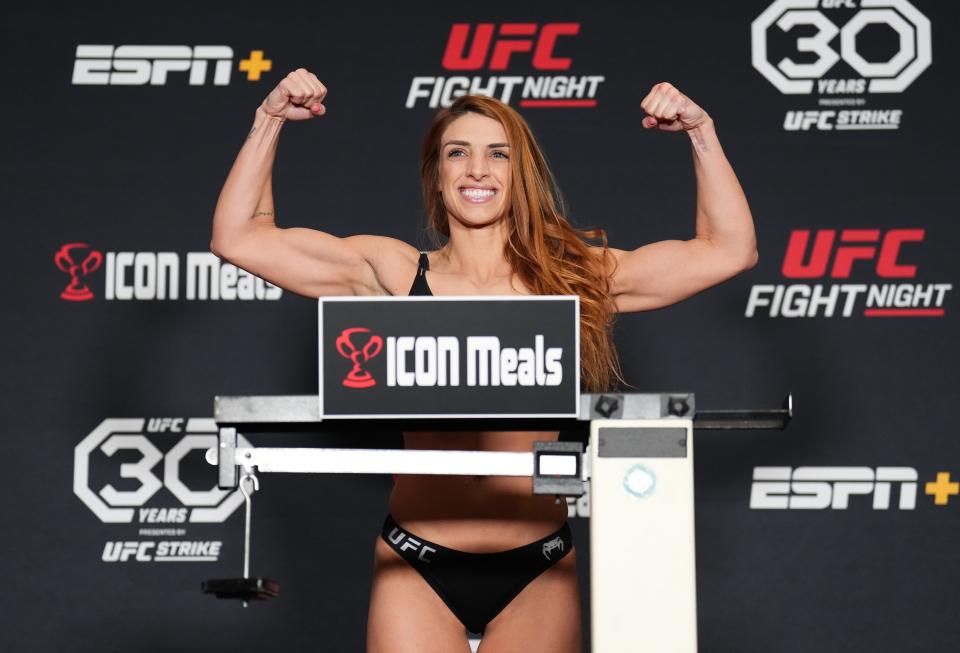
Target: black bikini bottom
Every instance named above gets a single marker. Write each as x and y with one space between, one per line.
477 586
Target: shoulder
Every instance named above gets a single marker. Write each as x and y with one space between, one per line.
608 257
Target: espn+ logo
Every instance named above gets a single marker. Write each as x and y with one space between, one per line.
819 488
822 488
141 65
816 46
474 47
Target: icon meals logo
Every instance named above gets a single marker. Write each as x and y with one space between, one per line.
882 47
78 260
496 47
358 377
148 276
435 361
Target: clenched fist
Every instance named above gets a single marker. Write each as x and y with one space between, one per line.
298 96
670 110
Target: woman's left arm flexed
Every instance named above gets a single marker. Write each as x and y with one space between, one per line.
666 272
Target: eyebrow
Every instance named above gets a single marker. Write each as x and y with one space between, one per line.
466 143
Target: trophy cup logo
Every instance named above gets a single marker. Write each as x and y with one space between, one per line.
358 377
77 260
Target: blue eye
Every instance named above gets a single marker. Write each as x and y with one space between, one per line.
500 155
454 153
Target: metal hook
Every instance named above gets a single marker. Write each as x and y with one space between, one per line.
255 483
253 480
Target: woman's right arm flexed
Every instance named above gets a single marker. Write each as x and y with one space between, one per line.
304 261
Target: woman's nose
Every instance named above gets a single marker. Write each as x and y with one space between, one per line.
477 167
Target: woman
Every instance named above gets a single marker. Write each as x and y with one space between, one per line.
488 189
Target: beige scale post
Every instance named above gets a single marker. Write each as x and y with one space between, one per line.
642 544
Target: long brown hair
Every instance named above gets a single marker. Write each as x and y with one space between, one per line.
546 253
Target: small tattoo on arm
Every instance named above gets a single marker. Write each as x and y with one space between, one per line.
262 213
699 143
253 129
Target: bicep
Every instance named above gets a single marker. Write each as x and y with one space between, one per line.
666 272
314 263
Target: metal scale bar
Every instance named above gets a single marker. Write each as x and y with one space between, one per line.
640 465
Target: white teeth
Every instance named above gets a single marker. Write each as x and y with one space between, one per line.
476 193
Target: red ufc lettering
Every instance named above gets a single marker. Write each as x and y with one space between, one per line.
887 263
504 48
847 254
453 58
794 266
458 57
543 58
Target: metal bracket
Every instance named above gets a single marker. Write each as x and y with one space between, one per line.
558 468
745 418
228 477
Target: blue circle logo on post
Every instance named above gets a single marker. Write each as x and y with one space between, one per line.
639 481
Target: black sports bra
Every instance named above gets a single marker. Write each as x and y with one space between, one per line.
420 286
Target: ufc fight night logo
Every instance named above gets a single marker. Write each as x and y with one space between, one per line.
155 65
499 48
840 260
152 473
817 47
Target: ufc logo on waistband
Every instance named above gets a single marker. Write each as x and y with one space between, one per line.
409 543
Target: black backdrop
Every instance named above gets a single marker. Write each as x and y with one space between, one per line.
137 168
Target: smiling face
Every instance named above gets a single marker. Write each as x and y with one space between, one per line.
474 170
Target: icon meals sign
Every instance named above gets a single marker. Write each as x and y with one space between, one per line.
449 356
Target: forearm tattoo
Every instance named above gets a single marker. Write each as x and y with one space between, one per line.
262 213
698 141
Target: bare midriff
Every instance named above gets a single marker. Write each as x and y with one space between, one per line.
479 514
